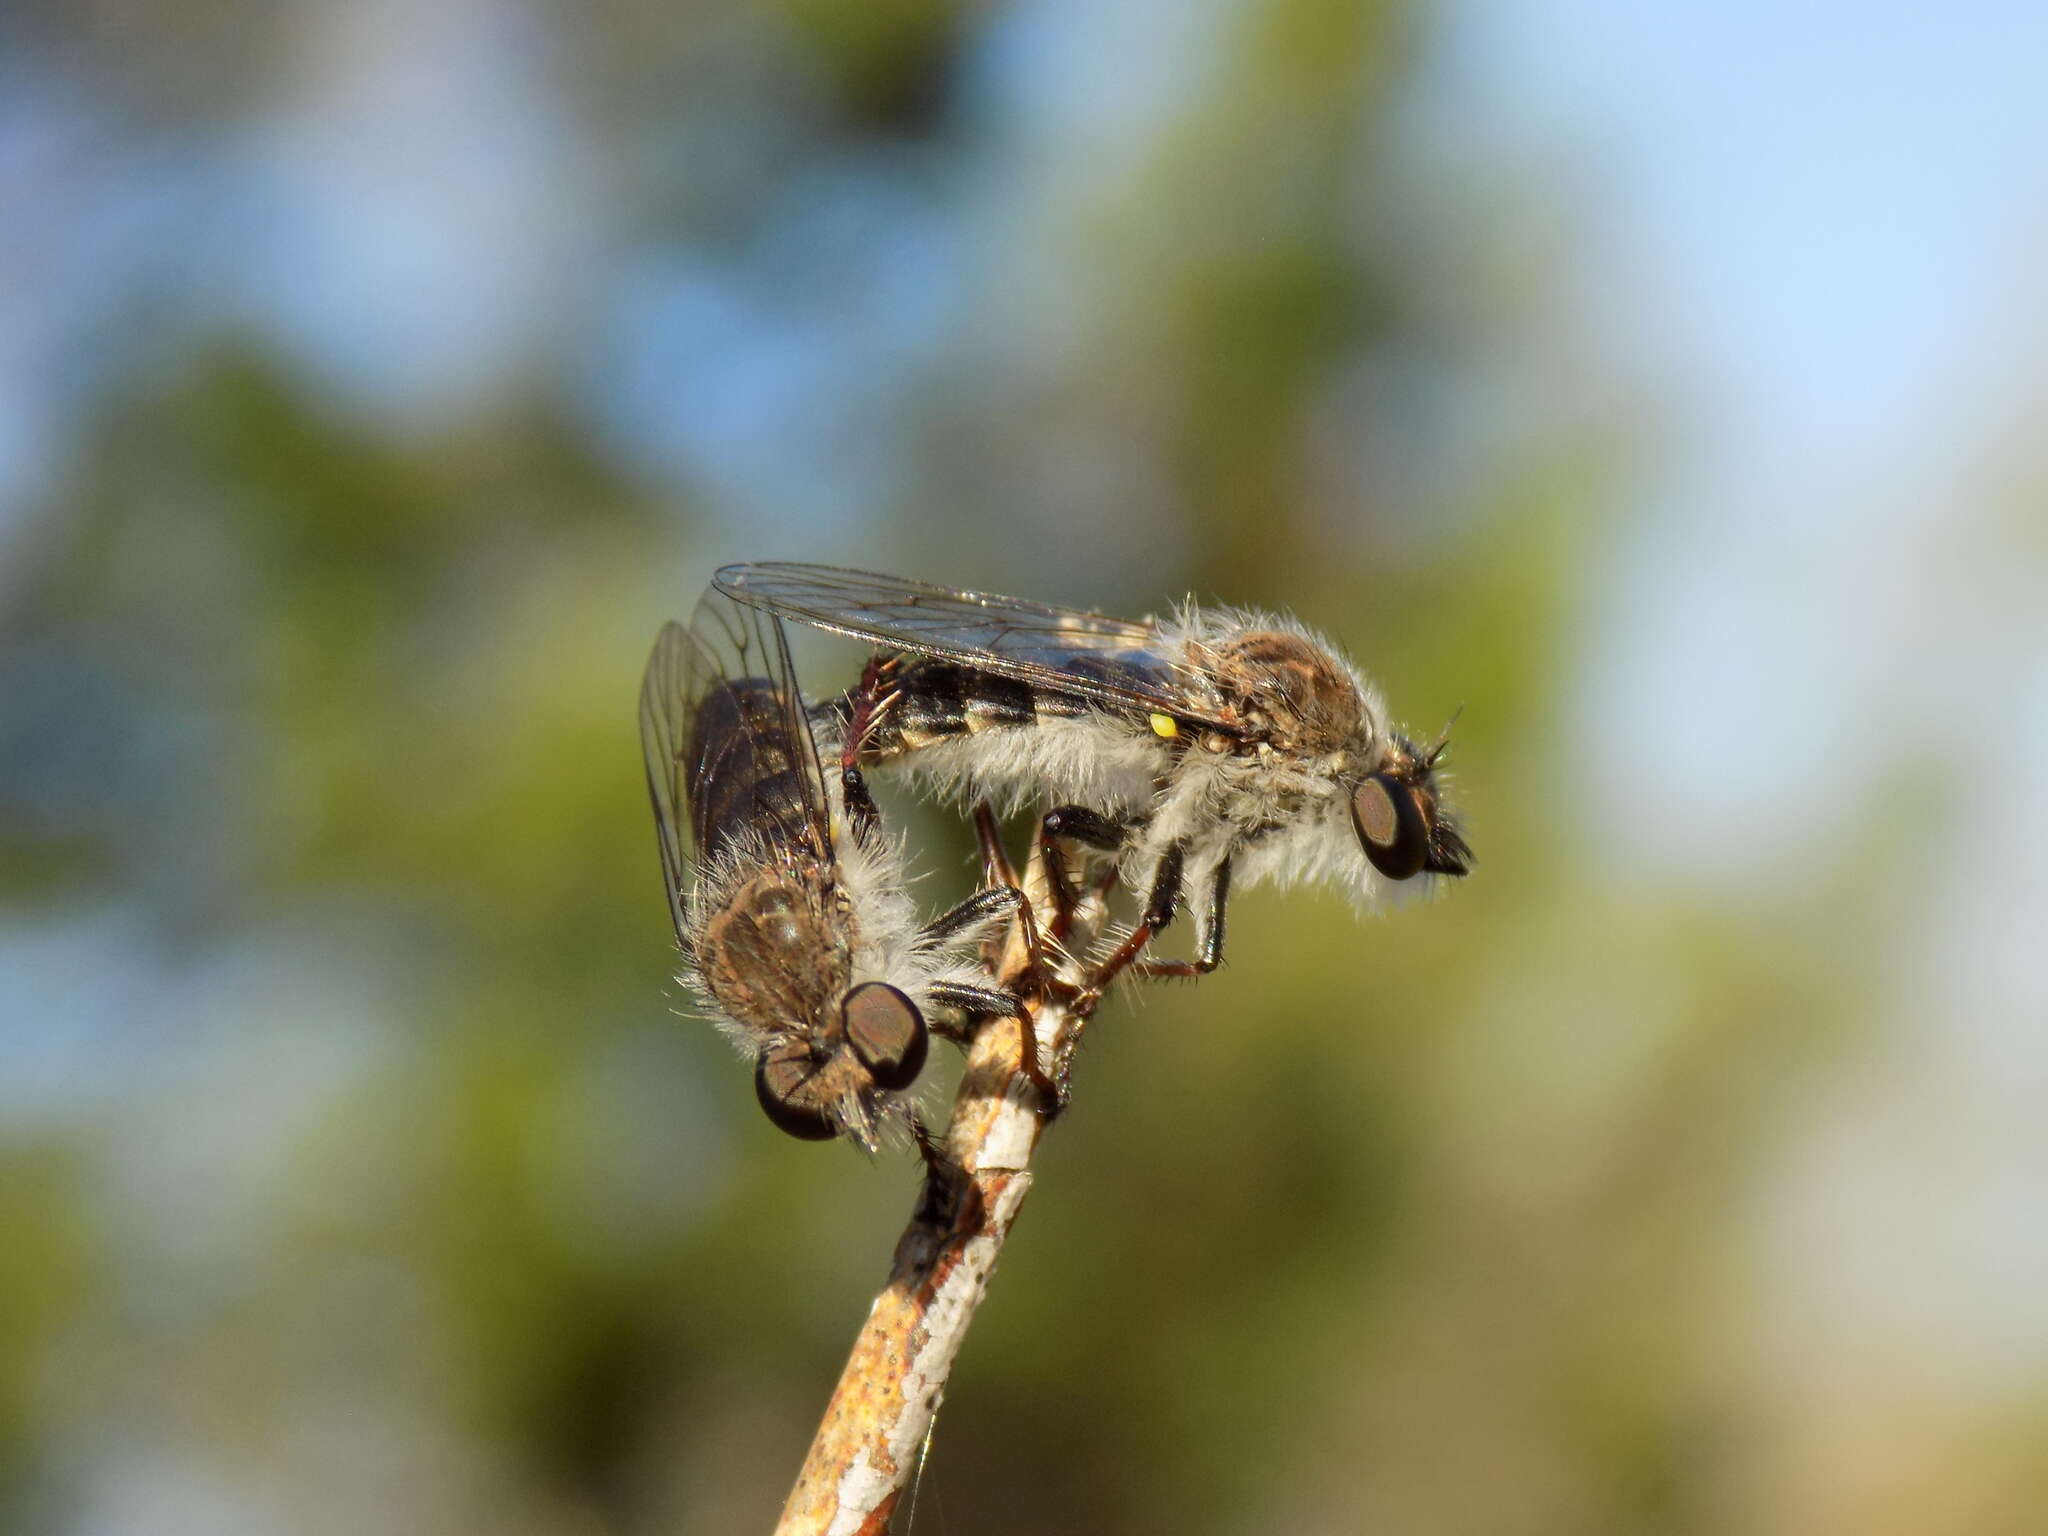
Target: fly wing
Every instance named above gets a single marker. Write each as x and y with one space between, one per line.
728 749
1119 664
664 719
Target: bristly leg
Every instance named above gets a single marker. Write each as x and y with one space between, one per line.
996 868
865 705
999 872
980 1004
871 699
983 906
946 1184
983 1003
1083 826
861 809
1210 954
1160 907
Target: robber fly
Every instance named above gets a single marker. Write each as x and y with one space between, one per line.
793 919
1215 743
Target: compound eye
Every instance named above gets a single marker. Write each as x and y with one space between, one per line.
1392 826
783 1083
886 1032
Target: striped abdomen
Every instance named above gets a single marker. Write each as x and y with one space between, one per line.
749 768
938 701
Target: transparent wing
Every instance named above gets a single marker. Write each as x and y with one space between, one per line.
664 715
1120 664
727 746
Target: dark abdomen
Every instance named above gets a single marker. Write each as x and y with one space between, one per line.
748 769
939 700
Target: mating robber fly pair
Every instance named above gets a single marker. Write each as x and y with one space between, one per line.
1213 745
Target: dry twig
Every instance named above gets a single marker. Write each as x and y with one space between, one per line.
867 1446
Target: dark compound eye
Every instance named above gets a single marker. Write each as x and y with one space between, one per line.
1392 825
782 1082
886 1032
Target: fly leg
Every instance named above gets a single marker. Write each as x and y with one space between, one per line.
1160 907
864 707
984 1003
944 1201
982 907
980 1004
999 872
996 867
1083 826
1209 954
861 809
866 704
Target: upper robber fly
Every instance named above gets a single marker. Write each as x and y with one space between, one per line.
1215 742
794 924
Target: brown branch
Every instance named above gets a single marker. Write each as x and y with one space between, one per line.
867 1446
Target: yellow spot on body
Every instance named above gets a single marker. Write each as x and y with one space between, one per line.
1166 726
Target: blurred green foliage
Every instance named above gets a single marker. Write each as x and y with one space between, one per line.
1416 1224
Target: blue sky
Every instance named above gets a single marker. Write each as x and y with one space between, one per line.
1799 244
1799 249
1812 236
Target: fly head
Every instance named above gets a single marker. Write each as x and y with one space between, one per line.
1402 827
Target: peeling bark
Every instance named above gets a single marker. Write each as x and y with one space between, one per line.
867 1445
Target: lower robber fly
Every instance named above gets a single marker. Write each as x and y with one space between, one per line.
791 913
1213 745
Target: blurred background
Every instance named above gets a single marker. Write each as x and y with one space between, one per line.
1664 389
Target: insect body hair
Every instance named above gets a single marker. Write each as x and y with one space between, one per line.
1114 761
1201 637
722 884
766 998
1095 758
887 947
1209 749
866 927
1277 807
1275 821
